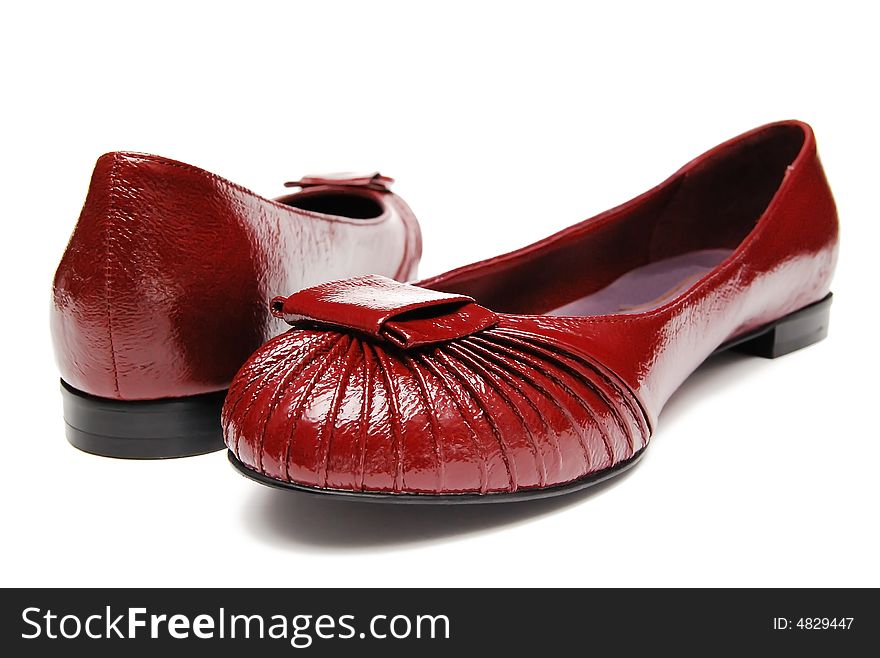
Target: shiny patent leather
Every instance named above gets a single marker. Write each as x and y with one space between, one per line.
161 293
478 385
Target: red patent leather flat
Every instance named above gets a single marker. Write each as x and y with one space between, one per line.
161 294
542 371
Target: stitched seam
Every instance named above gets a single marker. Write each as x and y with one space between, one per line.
296 415
398 477
530 373
366 408
532 343
413 366
461 378
555 352
504 371
239 384
280 392
112 214
480 454
533 361
330 426
492 377
236 394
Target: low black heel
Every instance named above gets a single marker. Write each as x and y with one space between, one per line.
789 334
149 429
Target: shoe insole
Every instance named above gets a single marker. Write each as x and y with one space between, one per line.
646 287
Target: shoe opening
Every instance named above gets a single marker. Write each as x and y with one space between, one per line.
642 255
340 204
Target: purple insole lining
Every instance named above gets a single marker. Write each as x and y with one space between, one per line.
646 287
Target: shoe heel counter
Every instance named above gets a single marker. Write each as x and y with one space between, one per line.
830 219
802 229
820 225
80 318
158 293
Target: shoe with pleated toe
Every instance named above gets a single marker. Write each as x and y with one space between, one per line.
544 370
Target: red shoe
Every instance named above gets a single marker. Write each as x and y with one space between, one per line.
160 296
392 392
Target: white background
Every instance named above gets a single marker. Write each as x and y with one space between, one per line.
502 123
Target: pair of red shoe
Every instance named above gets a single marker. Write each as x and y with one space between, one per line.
537 372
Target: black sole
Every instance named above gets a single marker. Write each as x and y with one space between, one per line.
442 499
790 333
148 429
